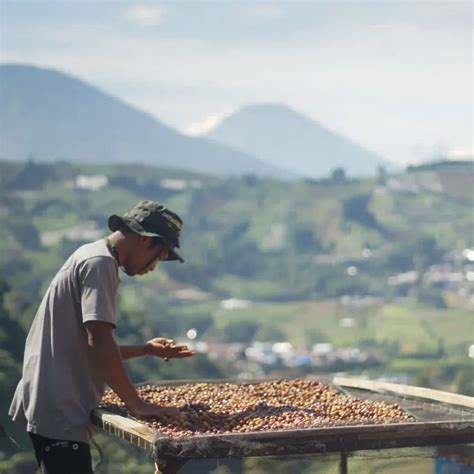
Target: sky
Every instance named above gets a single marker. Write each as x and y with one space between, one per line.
394 76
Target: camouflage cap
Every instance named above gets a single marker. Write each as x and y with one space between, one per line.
151 219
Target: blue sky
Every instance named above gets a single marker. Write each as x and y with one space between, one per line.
394 76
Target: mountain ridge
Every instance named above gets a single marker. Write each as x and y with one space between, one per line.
48 114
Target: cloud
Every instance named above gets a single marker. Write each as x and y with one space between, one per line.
460 153
263 11
144 15
201 128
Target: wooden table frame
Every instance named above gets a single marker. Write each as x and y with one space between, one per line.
170 454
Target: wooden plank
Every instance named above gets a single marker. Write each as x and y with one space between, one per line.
125 424
407 390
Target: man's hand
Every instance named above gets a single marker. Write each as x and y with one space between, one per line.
167 349
144 409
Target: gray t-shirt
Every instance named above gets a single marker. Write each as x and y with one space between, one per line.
61 383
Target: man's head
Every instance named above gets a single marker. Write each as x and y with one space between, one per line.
159 226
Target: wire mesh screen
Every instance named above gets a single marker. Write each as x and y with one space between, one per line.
432 425
421 410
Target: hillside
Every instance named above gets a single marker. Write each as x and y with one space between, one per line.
285 138
50 115
250 237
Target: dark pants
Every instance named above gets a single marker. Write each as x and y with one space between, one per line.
56 456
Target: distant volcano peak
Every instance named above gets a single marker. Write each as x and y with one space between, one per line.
284 137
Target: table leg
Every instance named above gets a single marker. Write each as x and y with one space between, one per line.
343 464
169 466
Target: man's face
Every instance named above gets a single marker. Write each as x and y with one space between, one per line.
144 257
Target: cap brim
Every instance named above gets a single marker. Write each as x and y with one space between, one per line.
116 222
174 255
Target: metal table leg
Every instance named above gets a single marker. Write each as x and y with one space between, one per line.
343 464
168 466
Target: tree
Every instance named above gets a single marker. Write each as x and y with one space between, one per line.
339 175
381 175
355 209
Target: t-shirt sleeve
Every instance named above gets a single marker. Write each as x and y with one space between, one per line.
99 284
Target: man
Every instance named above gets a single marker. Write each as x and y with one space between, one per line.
71 352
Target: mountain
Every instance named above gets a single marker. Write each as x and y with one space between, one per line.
49 115
288 139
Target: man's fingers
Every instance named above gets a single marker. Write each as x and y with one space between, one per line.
180 348
171 412
186 353
180 354
173 351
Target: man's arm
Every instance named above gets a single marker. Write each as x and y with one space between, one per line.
131 352
109 361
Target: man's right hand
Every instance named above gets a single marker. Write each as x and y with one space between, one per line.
144 409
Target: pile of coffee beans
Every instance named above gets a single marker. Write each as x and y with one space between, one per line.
218 408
